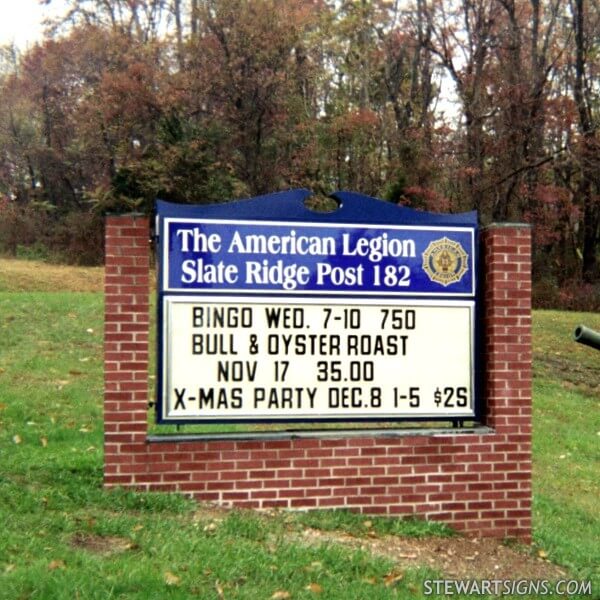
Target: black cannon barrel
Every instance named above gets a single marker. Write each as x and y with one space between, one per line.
587 336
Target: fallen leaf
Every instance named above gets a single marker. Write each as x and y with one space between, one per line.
3 407
171 578
314 566
315 588
75 372
56 564
44 442
368 524
210 528
84 429
137 527
9 568
219 589
17 439
391 579
90 330
542 554
281 595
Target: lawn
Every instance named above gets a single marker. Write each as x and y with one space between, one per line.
64 536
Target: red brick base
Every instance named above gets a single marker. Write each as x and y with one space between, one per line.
477 480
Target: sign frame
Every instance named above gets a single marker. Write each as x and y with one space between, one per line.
288 209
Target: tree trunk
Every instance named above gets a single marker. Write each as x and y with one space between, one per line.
589 146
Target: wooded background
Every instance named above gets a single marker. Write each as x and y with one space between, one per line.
490 105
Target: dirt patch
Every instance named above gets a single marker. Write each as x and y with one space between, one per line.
454 557
573 374
98 544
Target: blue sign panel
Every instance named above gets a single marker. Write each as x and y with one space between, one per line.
268 311
256 256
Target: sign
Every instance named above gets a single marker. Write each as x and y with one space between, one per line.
249 358
287 320
301 258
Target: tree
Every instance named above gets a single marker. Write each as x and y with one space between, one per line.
208 100
247 72
586 23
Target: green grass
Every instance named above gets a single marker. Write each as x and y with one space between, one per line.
354 524
566 443
64 536
55 513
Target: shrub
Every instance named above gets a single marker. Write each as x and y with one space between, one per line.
79 238
23 227
570 295
36 231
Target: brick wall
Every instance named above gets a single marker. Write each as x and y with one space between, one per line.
477 480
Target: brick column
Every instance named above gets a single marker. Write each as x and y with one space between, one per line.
508 355
126 327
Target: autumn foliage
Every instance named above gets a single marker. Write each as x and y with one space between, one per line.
488 105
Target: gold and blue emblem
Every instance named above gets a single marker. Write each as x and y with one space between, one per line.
445 261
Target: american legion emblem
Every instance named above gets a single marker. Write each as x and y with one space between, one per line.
445 261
